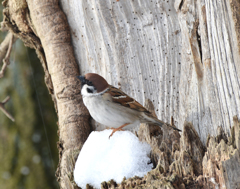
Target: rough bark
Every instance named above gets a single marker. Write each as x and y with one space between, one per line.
42 25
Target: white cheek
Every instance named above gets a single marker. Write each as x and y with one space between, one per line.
84 91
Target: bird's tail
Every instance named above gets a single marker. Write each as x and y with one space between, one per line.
161 123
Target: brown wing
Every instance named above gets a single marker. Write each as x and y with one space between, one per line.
120 97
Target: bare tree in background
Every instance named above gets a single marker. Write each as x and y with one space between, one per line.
182 55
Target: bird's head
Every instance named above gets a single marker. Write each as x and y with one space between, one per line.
92 84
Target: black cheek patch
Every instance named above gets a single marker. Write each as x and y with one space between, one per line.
89 90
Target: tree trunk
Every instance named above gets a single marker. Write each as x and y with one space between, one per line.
182 55
42 25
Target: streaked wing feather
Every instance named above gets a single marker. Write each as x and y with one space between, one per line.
120 97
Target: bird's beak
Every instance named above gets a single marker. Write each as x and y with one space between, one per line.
82 78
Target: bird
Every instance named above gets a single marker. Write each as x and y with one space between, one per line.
112 107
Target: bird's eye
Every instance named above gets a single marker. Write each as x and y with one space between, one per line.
89 90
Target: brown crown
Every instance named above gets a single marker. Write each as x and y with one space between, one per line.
98 81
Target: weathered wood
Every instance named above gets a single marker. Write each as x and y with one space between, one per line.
189 165
221 161
181 55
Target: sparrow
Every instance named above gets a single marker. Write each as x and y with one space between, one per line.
112 107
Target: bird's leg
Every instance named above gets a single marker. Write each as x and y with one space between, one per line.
112 128
117 129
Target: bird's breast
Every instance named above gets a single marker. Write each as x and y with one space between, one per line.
108 113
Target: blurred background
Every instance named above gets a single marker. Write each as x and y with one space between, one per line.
28 146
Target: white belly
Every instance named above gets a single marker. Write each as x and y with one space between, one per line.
110 114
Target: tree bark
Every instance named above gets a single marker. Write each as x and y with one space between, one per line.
42 25
181 55
51 27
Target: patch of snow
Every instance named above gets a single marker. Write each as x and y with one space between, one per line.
102 159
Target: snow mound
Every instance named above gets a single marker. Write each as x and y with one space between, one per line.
102 159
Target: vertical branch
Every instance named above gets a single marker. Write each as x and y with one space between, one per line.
52 28
5 51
